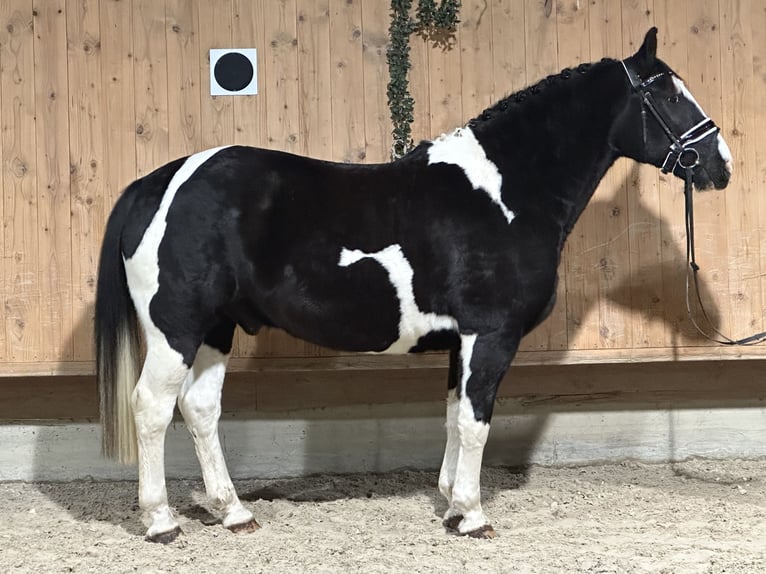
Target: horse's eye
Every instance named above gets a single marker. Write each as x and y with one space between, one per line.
674 99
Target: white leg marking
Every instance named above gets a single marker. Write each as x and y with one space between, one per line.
200 404
466 492
413 323
461 148
451 450
164 371
153 400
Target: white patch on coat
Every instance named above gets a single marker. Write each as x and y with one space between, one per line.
142 268
413 323
723 147
164 370
466 492
461 148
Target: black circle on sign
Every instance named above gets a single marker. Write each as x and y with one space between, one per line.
233 71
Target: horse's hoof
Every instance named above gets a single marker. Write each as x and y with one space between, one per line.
485 532
245 527
452 523
165 537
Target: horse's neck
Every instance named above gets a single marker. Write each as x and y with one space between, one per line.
563 153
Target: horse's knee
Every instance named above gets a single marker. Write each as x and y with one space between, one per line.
472 433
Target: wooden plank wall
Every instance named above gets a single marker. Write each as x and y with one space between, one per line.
94 93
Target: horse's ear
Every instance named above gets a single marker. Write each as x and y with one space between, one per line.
647 53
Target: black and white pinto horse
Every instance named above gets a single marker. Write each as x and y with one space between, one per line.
455 246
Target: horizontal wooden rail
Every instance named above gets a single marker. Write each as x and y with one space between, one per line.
554 387
366 362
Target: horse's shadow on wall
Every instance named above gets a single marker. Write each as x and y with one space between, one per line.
512 446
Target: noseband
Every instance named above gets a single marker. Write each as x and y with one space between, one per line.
681 152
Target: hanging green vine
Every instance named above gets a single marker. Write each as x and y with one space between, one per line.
435 23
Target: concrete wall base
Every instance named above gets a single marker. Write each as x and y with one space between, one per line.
378 438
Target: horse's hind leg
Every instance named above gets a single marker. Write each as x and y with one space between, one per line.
200 404
153 401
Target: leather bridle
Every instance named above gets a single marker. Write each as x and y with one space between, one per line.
681 151
683 154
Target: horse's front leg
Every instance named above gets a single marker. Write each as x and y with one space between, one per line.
200 405
483 362
452 448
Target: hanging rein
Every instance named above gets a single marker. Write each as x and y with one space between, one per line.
683 154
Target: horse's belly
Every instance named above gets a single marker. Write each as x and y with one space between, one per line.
364 303
376 327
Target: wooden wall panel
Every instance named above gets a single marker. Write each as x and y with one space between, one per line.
444 90
119 98
96 92
476 51
509 71
738 122
151 84
420 89
88 127
605 222
184 74
280 71
758 21
315 99
347 89
217 112
52 159
20 217
377 134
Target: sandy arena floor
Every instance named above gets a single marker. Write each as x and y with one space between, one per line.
697 516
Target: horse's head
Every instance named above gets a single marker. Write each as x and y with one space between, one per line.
665 126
